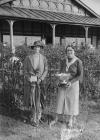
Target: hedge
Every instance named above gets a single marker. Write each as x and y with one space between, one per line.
13 80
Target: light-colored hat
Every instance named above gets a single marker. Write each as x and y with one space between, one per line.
38 43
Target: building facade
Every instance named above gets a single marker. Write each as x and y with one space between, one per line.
53 21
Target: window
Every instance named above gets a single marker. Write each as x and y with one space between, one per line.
52 6
43 5
16 2
60 7
26 3
68 8
75 9
34 3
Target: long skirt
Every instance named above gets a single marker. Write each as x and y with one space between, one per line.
68 100
31 98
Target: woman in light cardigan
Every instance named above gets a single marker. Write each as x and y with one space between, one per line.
35 67
68 95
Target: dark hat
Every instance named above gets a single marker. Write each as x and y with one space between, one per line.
73 47
38 43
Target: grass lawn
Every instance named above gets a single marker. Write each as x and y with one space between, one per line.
13 128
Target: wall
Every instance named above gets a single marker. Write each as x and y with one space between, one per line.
77 41
94 41
20 40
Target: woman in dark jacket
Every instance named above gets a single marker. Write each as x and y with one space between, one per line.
68 94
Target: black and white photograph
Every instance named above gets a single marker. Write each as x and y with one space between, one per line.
49 70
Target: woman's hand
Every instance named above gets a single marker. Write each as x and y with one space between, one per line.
61 78
68 84
33 79
39 80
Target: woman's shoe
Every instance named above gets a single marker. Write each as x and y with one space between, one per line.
53 123
34 124
67 123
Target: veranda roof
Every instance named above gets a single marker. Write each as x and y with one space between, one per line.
46 16
4 1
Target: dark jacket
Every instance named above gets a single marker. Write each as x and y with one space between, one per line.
76 70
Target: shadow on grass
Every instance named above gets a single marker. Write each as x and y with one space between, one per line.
8 108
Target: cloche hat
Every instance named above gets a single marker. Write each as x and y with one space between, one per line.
37 43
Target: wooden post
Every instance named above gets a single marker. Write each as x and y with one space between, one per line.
11 22
53 33
86 34
1 37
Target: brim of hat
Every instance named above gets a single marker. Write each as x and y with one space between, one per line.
33 46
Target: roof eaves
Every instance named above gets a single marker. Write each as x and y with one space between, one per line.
47 16
88 8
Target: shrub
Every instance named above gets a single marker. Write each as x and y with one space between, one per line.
13 81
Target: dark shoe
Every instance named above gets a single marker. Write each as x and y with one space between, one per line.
67 124
52 123
70 124
34 124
